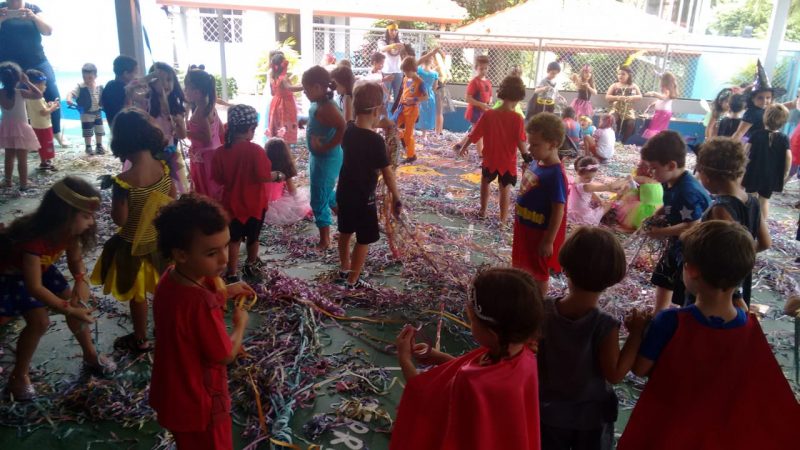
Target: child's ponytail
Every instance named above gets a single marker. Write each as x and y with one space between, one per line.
9 76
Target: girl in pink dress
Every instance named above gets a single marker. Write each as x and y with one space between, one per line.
16 135
282 108
584 83
663 106
167 110
585 207
204 131
288 204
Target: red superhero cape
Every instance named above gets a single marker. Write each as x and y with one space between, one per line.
714 389
463 405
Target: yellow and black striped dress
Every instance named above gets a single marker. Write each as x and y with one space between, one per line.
130 265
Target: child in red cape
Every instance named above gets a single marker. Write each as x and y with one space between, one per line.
486 399
714 381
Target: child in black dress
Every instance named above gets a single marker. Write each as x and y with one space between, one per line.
769 156
730 123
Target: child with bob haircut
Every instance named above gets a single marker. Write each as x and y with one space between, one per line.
129 266
30 282
189 385
503 133
770 157
326 127
720 167
344 81
685 200
243 170
287 203
709 364
364 158
487 398
579 355
541 219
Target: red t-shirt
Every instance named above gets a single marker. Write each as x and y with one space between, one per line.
189 387
794 145
501 131
239 170
480 90
45 250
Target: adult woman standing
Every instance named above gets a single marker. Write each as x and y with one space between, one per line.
21 29
621 95
391 46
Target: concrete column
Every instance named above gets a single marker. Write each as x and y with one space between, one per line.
129 31
223 67
777 29
306 35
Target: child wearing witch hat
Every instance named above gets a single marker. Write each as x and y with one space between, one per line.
760 95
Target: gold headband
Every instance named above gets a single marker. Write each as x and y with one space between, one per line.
391 26
72 198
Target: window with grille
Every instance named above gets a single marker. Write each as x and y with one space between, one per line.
231 25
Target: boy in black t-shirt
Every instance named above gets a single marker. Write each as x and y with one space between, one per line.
113 98
364 156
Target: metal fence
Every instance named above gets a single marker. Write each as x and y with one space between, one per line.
532 54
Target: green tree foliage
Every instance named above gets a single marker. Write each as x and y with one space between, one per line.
291 55
479 8
732 16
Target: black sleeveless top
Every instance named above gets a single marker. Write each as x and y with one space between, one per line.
21 41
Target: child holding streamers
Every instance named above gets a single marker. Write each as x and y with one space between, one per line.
344 80
189 367
204 130
166 107
243 170
16 135
585 207
584 84
39 114
324 138
487 398
769 157
684 202
504 133
287 203
364 158
479 94
720 167
130 266
413 93
711 354
541 220
579 355
282 107
30 282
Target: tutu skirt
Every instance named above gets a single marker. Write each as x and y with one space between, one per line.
17 135
583 108
284 208
125 276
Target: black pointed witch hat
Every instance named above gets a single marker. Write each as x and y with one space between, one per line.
761 82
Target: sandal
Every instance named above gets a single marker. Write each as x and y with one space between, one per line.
129 343
105 367
25 393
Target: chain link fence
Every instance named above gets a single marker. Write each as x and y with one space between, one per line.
700 70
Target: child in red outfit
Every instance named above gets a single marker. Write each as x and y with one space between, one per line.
479 94
189 385
487 398
243 170
541 221
504 133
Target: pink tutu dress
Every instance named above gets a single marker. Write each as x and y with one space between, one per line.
285 208
581 211
661 118
15 132
201 154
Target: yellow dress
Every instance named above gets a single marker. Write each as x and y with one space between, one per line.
130 266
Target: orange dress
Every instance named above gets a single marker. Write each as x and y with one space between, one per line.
282 112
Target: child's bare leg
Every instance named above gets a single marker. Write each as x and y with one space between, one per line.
22 167
139 317
505 194
663 298
8 171
82 334
479 146
324 238
36 323
764 203
344 251
233 257
484 197
357 261
252 251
